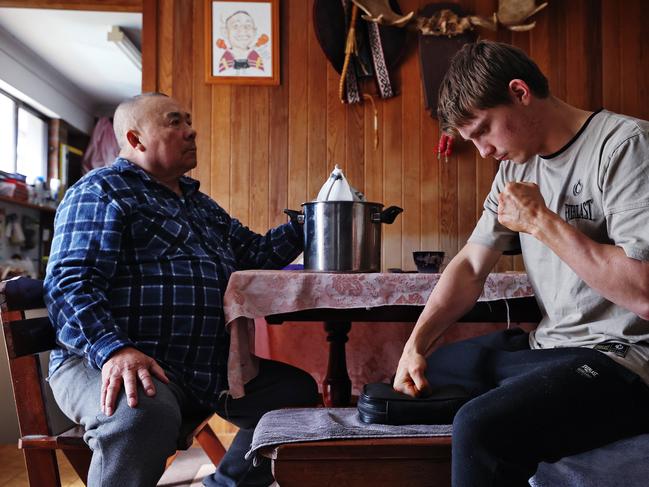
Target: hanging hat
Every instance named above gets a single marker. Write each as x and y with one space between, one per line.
331 22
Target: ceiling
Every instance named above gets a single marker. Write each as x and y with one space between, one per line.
74 44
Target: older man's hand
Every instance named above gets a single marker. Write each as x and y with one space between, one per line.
521 206
128 365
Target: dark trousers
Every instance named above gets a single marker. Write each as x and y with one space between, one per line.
278 385
530 406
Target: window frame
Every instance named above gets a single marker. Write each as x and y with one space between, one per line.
18 104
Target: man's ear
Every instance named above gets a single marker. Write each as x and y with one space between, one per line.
519 91
133 139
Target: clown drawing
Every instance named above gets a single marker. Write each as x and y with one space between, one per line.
245 52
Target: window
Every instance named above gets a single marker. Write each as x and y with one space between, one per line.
7 133
23 139
31 148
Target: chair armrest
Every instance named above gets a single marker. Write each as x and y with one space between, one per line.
28 337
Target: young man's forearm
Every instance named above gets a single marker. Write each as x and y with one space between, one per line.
454 295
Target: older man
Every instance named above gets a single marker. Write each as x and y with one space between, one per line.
139 263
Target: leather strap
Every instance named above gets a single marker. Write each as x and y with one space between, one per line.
378 59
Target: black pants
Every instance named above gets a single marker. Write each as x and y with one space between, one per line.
533 405
278 385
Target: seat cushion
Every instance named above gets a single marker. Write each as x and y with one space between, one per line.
624 463
21 293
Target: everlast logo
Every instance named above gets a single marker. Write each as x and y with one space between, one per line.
583 210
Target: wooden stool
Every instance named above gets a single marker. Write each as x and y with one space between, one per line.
376 462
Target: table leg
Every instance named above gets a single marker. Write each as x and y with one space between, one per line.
337 388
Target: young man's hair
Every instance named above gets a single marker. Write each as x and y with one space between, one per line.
478 78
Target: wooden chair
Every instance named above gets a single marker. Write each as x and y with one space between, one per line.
28 332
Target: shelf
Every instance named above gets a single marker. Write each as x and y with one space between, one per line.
25 204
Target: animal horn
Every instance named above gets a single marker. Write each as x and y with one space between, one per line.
538 9
490 23
522 28
380 12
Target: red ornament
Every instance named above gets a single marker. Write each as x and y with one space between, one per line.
445 146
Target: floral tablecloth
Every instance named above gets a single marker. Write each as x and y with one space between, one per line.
259 293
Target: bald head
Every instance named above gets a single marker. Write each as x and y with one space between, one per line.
155 132
129 115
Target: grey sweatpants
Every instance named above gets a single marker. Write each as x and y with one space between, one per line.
130 447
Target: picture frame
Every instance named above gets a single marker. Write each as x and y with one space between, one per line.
242 41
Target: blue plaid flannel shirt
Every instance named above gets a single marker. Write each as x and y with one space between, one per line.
134 264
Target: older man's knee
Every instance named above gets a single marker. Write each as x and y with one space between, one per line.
305 389
293 386
151 413
152 427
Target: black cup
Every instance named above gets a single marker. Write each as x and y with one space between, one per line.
428 261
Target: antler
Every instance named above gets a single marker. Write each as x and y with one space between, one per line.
442 23
380 12
447 23
511 14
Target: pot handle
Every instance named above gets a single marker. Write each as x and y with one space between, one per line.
387 216
295 215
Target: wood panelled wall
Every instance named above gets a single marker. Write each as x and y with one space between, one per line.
263 149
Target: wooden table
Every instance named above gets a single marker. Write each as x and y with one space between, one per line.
338 300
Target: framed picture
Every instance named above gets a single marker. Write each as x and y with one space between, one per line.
242 42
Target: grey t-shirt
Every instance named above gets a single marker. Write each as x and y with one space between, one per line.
598 183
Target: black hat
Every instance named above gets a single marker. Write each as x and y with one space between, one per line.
330 22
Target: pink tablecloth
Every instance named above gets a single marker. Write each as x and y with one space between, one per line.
258 293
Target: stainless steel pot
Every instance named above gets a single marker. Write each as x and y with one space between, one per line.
343 236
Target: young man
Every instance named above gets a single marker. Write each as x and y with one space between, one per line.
573 185
139 264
